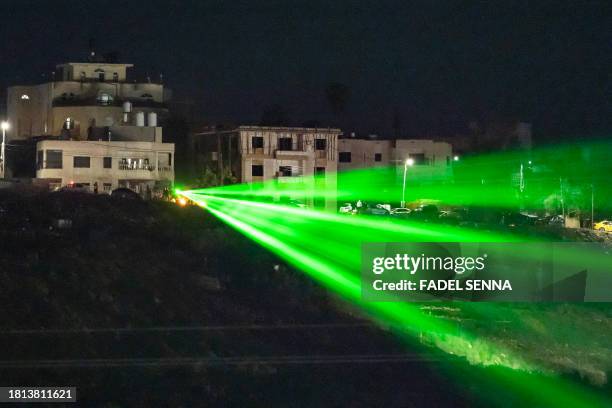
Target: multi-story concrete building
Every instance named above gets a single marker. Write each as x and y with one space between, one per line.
432 160
95 128
81 97
102 166
288 156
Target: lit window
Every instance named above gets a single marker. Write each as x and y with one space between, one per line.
105 99
24 96
69 123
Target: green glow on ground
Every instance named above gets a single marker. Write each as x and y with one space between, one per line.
327 247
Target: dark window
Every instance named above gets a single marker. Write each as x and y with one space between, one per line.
54 159
115 77
377 156
419 158
319 171
257 170
81 162
285 171
344 157
257 142
285 143
320 144
107 162
39 159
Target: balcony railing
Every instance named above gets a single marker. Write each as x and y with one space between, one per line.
126 166
116 102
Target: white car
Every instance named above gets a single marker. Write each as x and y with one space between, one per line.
400 211
347 208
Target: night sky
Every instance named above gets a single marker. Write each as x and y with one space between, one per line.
435 65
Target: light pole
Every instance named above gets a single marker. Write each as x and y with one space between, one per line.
408 162
5 126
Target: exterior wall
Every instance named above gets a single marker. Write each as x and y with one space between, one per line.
90 70
304 159
436 164
364 153
438 159
158 171
28 110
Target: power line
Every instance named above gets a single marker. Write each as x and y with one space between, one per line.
257 327
221 361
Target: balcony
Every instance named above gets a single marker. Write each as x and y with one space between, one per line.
69 101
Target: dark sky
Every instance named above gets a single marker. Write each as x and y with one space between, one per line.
437 64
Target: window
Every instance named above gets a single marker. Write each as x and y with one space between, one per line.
115 77
107 162
257 170
54 159
81 162
69 124
377 157
107 187
320 144
419 158
105 99
285 143
319 171
257 142
100 73
344 157
284 171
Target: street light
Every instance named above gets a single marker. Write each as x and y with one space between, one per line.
456 158
4 125
408 162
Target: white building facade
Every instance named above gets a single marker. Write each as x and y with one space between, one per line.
102 166
432 160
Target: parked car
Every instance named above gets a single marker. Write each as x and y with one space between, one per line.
518 220
450 217
125 194
604 226
425 213
76 188
347 208
378 210
400 212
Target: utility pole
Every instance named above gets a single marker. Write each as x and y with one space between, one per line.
592 206
408 162
5 126
562 200
219 159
